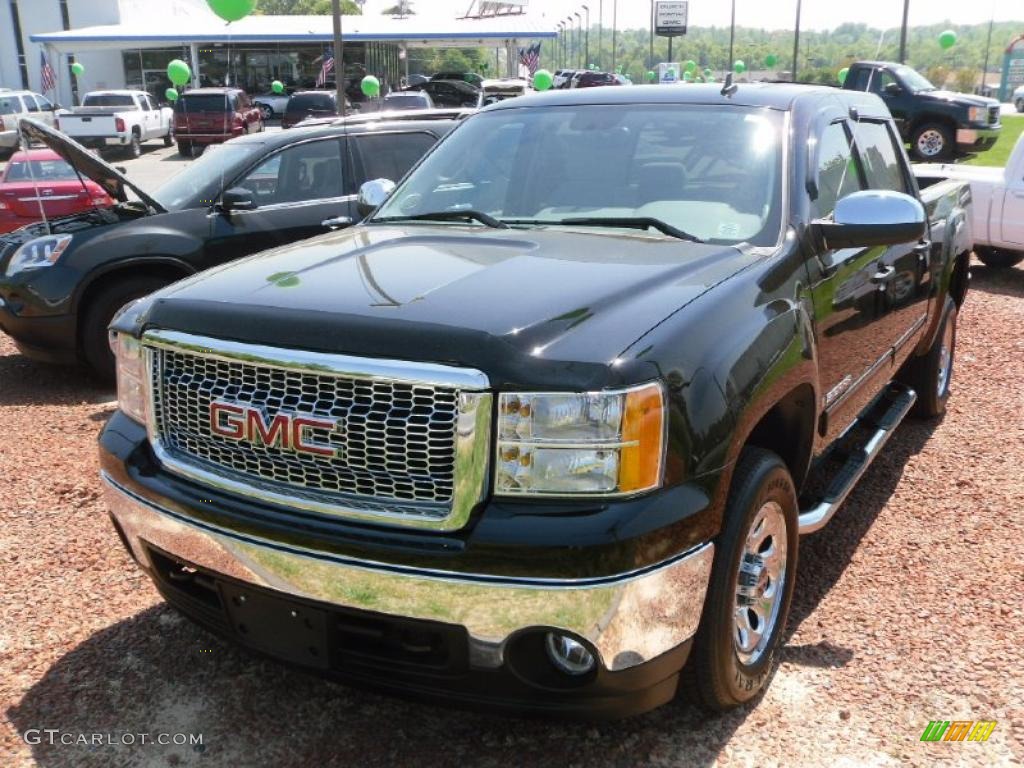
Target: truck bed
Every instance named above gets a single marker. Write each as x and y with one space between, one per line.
939 197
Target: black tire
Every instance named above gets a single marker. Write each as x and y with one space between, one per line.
98 314
185 148
932 373
715 677
998 258
266 111
933 141
1020 105
169 138
135 146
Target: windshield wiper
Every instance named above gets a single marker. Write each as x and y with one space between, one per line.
483 218
630 222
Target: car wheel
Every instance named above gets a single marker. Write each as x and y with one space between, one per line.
98 314
931 374
998 258
932 141
751 588
266 111
135 146
169 138
185 148
1020 105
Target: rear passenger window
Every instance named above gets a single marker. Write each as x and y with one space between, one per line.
390 156
837 173
882 166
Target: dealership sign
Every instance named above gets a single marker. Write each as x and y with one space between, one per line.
670 18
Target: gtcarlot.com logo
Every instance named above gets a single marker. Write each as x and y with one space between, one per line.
958 730
55 736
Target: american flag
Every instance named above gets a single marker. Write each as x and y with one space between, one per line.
530 57
325 70
46 75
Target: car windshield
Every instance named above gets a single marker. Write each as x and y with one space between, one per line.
710 172
202 181
202 102
41 170
108 100
914 80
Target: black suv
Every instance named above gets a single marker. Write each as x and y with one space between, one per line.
310 104
60 285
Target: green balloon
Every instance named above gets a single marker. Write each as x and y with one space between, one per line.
690 66
652 75
739 67
770 60
277 86
947 39
78 69
178 72
232 10
841 75
171 94
542 80
688 77
593 66
708 73
370 86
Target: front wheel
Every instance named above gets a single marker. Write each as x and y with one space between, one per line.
135 146
751 587
169 137
932 141
99 313
998 258
1020 105
266 111
931 374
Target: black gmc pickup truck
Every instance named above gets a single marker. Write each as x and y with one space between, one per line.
543 431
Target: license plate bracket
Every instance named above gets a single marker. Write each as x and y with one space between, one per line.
282 628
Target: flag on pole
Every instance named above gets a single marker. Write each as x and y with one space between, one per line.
530 57
47 78
325 69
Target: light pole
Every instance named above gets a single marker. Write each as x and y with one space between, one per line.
903 32
732 36
339 57
570 50
558 46
579 37
615 24
600 32
988 50
586 39
796 41
650 62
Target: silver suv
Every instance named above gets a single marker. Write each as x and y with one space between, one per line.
15 105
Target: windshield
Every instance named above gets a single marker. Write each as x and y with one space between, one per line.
202 181
108 100
41 170
711 172
913 79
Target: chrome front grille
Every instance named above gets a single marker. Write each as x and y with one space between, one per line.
387 435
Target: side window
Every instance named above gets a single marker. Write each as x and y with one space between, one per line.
837 171
882 166
310 171
30 103
881 80
391 155
144 104
44 103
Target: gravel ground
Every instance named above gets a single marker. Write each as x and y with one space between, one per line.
907 610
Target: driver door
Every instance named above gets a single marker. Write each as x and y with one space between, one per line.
294 190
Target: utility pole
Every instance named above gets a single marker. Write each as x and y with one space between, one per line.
339 61
615 24
903 32
579 39
732 36
796 41
650 62
586 43
570 50
600 33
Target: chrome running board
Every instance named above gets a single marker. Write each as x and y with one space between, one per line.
883 416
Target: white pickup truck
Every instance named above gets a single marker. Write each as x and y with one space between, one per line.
118 119
998 195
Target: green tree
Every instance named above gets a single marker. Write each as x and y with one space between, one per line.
304 7
401 8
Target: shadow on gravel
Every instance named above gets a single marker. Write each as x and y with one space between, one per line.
1005 282
825 555
26 382
158 673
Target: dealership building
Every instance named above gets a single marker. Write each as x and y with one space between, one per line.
128 43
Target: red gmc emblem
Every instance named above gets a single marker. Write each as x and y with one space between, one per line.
288 431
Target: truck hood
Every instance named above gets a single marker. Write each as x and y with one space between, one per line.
503 301
966 99
113 182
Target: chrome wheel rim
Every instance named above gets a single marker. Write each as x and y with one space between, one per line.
945 359
760 583
930 143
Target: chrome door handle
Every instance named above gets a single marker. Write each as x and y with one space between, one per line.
884 274
336 222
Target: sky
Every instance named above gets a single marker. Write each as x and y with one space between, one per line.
766 14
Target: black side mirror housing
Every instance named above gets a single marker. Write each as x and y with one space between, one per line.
893 89
237 199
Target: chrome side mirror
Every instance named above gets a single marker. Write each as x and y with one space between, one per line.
873 217
373 194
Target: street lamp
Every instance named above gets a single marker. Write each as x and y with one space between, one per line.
558 45
600 33
586 44
569 47
615 25
579 37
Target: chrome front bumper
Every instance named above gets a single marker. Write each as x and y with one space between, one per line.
629 619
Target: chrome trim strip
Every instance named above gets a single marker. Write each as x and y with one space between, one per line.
629 618
319 363
472 430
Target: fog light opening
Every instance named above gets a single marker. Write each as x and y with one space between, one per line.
569 655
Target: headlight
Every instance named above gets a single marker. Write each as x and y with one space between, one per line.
592 443
977 114
41 252
131 373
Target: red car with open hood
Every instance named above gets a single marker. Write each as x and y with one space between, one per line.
41 181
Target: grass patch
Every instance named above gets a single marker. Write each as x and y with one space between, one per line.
1013 126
